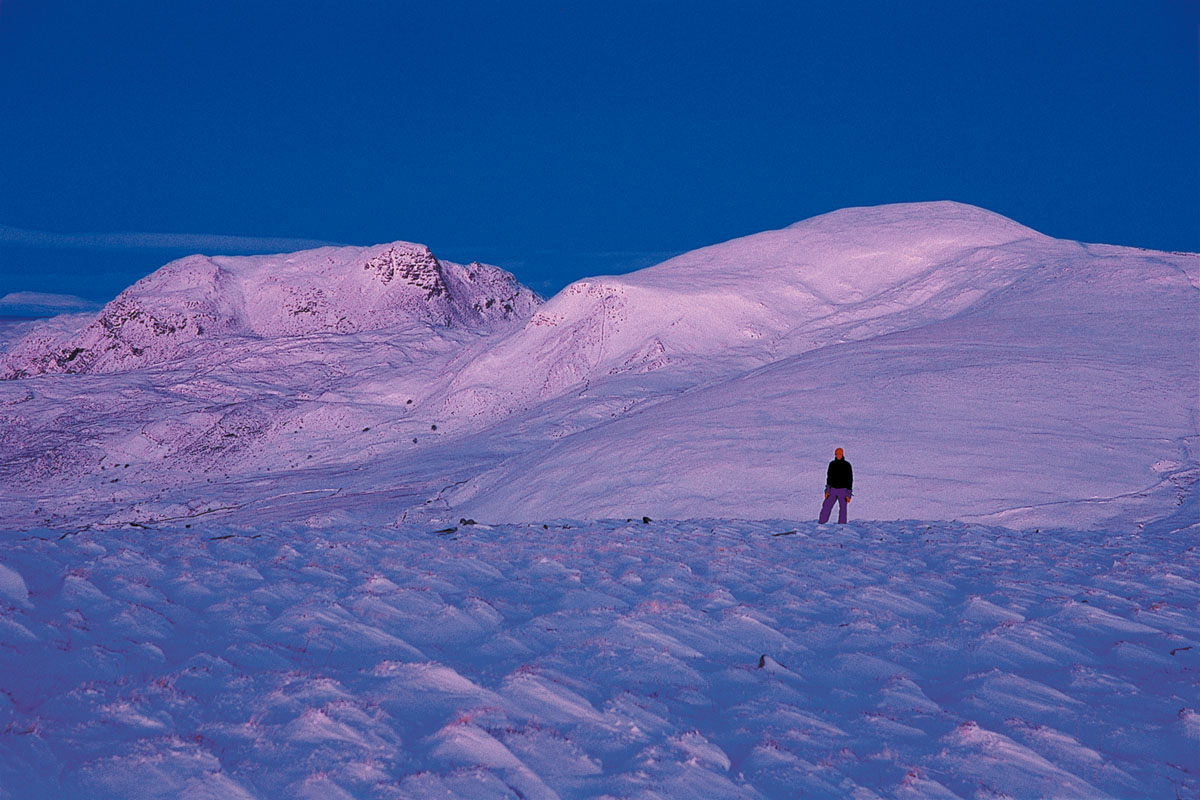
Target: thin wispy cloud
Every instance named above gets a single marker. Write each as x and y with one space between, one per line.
195 242
38 304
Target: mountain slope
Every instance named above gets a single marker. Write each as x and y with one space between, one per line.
722 309
1032 381
1061 400
971 368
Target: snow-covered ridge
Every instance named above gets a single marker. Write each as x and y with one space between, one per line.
850 274
328 290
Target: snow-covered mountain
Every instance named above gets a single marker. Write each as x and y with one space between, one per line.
190 304
971 367
852 274
963 363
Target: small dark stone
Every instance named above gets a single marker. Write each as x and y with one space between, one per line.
433 427
645 520
414 441
409 403
366 429
762 661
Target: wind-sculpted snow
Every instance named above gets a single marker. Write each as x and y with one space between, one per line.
190 305
715 659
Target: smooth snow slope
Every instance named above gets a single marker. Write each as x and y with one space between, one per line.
722 309
1065 393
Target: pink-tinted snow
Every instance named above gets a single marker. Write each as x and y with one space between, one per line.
237 564
716 658
972 368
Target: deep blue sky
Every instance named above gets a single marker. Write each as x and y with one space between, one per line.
574 138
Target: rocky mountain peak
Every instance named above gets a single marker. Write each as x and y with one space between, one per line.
341 290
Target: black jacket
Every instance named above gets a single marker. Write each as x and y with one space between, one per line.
840 475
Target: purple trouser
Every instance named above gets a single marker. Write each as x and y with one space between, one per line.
839 496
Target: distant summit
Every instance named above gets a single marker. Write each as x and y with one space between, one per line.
328 290
846 253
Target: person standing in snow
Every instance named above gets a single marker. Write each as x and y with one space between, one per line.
839 480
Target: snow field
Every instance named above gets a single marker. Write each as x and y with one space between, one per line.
717 659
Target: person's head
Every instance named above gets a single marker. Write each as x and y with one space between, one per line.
839 453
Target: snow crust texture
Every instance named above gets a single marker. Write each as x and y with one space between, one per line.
716 659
